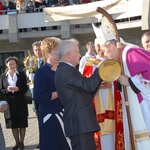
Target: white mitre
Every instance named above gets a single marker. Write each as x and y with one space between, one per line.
105 32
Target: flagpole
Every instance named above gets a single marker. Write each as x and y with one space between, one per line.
107 15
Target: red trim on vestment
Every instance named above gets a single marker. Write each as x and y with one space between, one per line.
119 133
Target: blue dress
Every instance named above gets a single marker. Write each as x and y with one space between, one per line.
52 136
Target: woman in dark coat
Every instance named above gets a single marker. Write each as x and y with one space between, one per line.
52 136
13 86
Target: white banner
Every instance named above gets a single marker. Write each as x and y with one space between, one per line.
83 10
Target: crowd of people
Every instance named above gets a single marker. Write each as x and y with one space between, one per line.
21 6
75 108
38 5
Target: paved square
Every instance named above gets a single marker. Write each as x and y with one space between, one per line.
31 138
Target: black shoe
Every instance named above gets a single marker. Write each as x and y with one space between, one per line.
21 146
38 146
15 147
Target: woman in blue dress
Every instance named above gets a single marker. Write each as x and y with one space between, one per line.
52 136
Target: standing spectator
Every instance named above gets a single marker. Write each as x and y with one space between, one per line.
51 111
89 54
13 86
8 5
145 40
39 5
1 8
30 7
76 94
20 6
36 46
3 106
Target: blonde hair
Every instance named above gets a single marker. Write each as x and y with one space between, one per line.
48 45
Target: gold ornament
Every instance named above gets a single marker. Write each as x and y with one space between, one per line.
109 70
30 64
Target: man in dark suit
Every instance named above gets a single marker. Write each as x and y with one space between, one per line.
36 46
76 93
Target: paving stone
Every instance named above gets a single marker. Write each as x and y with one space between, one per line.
31 138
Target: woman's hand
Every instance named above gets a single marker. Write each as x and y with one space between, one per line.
16 89
54 95
12 89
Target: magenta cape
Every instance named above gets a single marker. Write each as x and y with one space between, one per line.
138 61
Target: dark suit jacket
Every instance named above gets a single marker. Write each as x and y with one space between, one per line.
76 93
36 104
17 104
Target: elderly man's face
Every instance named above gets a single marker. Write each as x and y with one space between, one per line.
75 55
146 43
